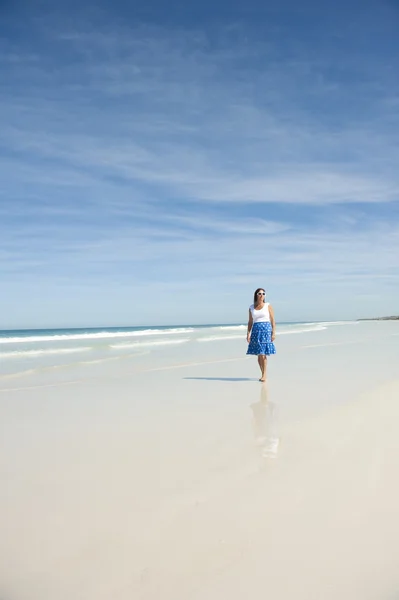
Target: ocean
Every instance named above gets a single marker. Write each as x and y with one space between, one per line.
35 349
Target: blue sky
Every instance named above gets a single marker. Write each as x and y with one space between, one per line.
160 162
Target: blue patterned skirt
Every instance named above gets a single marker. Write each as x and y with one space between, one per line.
261 339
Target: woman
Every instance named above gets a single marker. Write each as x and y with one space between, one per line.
261 330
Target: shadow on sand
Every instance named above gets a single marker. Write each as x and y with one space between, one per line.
222 378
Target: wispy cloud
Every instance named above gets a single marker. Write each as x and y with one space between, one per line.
164 108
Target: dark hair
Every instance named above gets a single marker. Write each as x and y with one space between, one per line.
256 294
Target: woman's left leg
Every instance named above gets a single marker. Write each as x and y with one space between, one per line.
262 361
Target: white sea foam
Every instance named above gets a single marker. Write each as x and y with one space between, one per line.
303 329
94 336
339 322
231 327
214 338
40 352
300 328
155 343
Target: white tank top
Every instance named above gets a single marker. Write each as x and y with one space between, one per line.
262 315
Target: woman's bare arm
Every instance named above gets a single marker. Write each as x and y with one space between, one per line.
273 322
250 322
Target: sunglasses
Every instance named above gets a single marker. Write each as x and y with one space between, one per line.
261 294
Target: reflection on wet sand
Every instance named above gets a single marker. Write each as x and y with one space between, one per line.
265 425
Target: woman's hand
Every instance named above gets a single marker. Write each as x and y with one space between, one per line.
273 336
248 337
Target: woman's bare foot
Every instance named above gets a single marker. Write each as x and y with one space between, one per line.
263 379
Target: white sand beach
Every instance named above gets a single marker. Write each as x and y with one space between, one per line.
176 475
